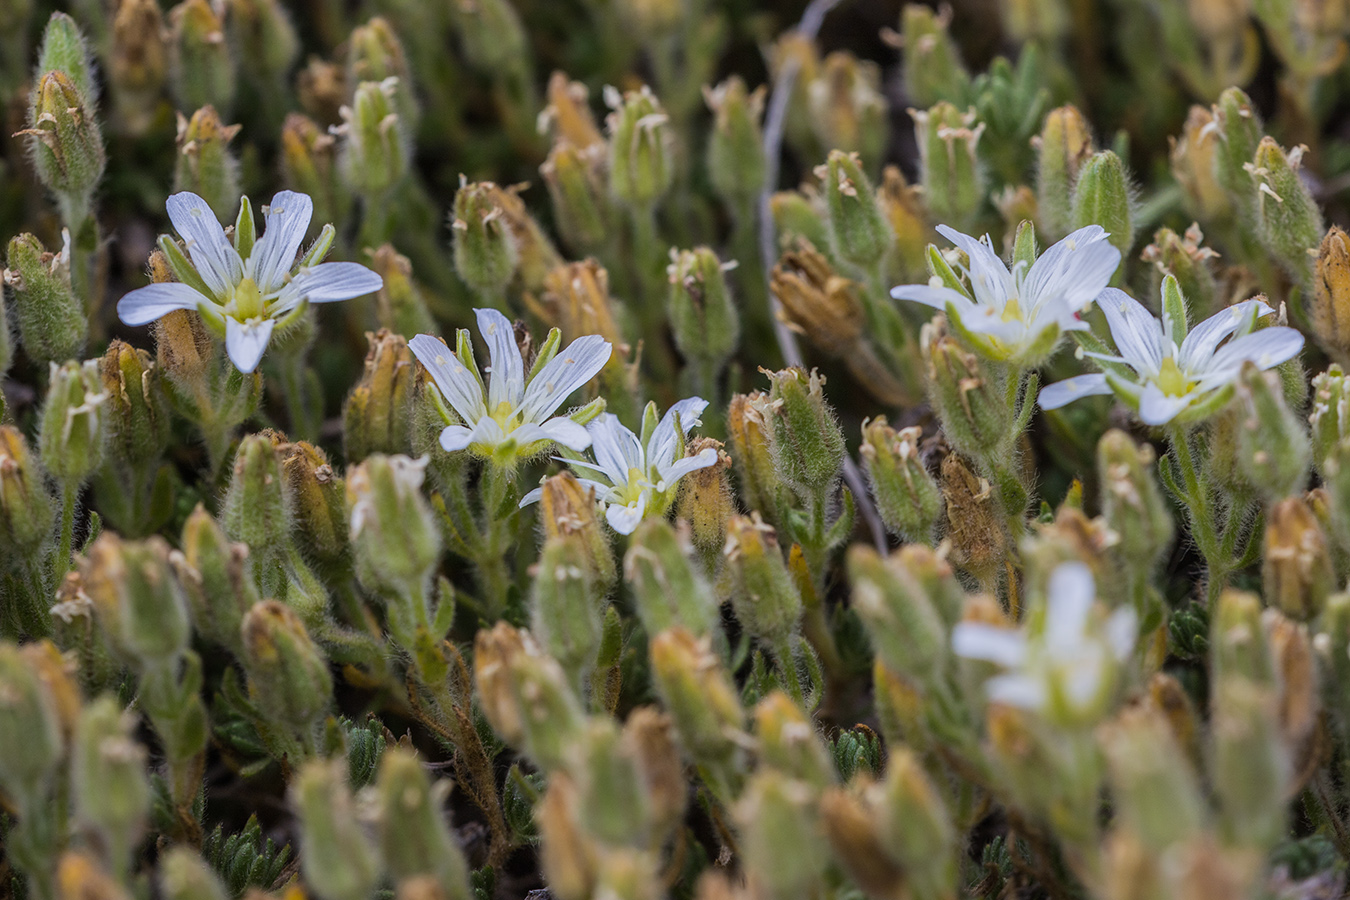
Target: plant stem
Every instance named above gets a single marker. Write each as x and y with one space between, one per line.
70 493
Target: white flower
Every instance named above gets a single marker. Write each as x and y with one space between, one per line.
636 478
1176 376
1064 662
509 414
1019 316
244 288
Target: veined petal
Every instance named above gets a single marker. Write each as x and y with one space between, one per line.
1053 396
989 277
929 295
211 252
274 254
681 467
568 433
661 445
1157 408
616 448
976 640
1267 348
147 304
506 368
533 496
455 437
1137 334
566 372
246 341
1074 270
330 282
1070 592
1205 338
625 518
459 387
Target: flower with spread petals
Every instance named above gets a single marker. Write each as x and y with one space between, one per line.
636 477
1168 375
246 286
1019 316
1065 662
511 417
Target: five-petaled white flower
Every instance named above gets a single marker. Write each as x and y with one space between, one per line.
1019 316
636 477
246 287
1173 376
1065 661
512 416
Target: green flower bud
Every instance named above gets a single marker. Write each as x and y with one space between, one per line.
1249 765
27 511
184 875
414 836
52 324
1131 502
73 428
807 443
1195 159
337 859
318 501
932 66
969 400
780 840
706 501
1101 196
748 431
565 607
789 743
66 144
1041 21
492 38
1064 145
1274 450
801 218
577 186
537 258
613 805
846 107
1288 219
138 600
261 32
376 53
736 164
201 67
376 146
137 65
950 170
697 693
1296 569
1188 261
64 49
859 232
31 734
1155 789
667 589
904 625
309 165
703 319
205 164
287 672
1239 129
486 253
1238 646
137 409
108 781
915 827
1330 416
217 578
257 509
393 530
377 417
568 116
906 494
763 592
641 147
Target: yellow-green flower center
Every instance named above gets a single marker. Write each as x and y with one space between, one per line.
247 302
1171 380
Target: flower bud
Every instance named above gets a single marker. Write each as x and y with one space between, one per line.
257 509
1101 196
779 838
807 443
1249 765
949 167
1064 145
1296 681
800 217
1040 21
73 429
393 529
64 48
915 827
903 624
697 693
79 875
736 164
184 875
817 302
667 589
1296 566
27 511
565 613
1131 502
1238 646
66 143
974 412
138 600
205 164
377 417
649 736
788 742
1156 793
1238 128
577 300
318 501
1330 416
288 673
414 836
375 146
567 855
336 858
261 32
31 739
703 319
568 508
932 66
1194 165
1274 450
1288 219
201 67
851 826
1329 309
846 107
108 781
906 495
903 206
52 324
1185 259
577 186
763 592
309 165
748 431
492 38
641 147
613 797
859 232
537 257
567 115
137 410
184 349
217 579
399 303
486 252
706 501
974 520
137 64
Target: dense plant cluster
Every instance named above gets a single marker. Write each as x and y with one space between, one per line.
666 448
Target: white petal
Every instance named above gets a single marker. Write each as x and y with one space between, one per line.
661 444
274 254
977 640
1157 408
330 282
682 467
936 297
989 277
1122 627
1267 348
246 341
1075 270
459 387
616 448
568 433
211 252
1137 334
566 372
456 437
149 303
1053 396
1071 592
506 383
1021 691
625 519
533 496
